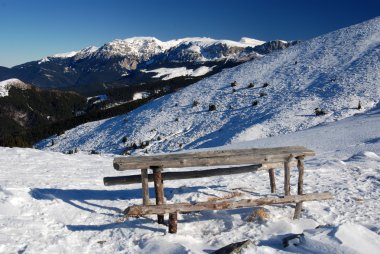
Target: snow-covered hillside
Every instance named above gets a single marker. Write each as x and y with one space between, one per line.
56 203
5 85
169 73
333 72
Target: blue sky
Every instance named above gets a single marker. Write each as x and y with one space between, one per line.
32 29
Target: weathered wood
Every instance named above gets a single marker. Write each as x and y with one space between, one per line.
159 191
212 158
287 177
173 223
145 186
301 169
297 211
272 180
140 210
117 180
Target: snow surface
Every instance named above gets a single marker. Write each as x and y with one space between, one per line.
86 52
206 42
169 73
5 85
98 98
66 54
333 72
251 42
56 203
77 54
140 95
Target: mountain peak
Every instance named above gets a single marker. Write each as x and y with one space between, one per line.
142 39
250 41
65 55
138 46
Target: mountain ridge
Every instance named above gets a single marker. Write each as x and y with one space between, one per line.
120 62
138 44
333 72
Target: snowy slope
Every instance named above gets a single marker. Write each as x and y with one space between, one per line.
169 73
333 72
77 55
5 85
56 203
200 43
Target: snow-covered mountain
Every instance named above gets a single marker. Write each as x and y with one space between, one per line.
143 48
134 60
333 72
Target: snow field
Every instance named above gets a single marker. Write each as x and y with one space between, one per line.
51 202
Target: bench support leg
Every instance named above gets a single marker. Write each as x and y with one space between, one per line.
287 178
159 190
301 168
173 223
272 180
145 186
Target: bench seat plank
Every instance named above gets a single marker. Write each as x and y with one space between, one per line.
212 158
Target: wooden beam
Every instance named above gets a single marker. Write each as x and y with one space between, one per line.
140 210
301 169
131 179
272 180
159 191
173 223
212 158
145 186
287 177
117 180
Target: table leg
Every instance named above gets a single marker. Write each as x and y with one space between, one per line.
272 180
145 186
159 190
301 168
173 223
287 177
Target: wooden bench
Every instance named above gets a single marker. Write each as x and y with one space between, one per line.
252 159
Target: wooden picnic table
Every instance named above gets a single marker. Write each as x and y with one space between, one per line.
242 161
